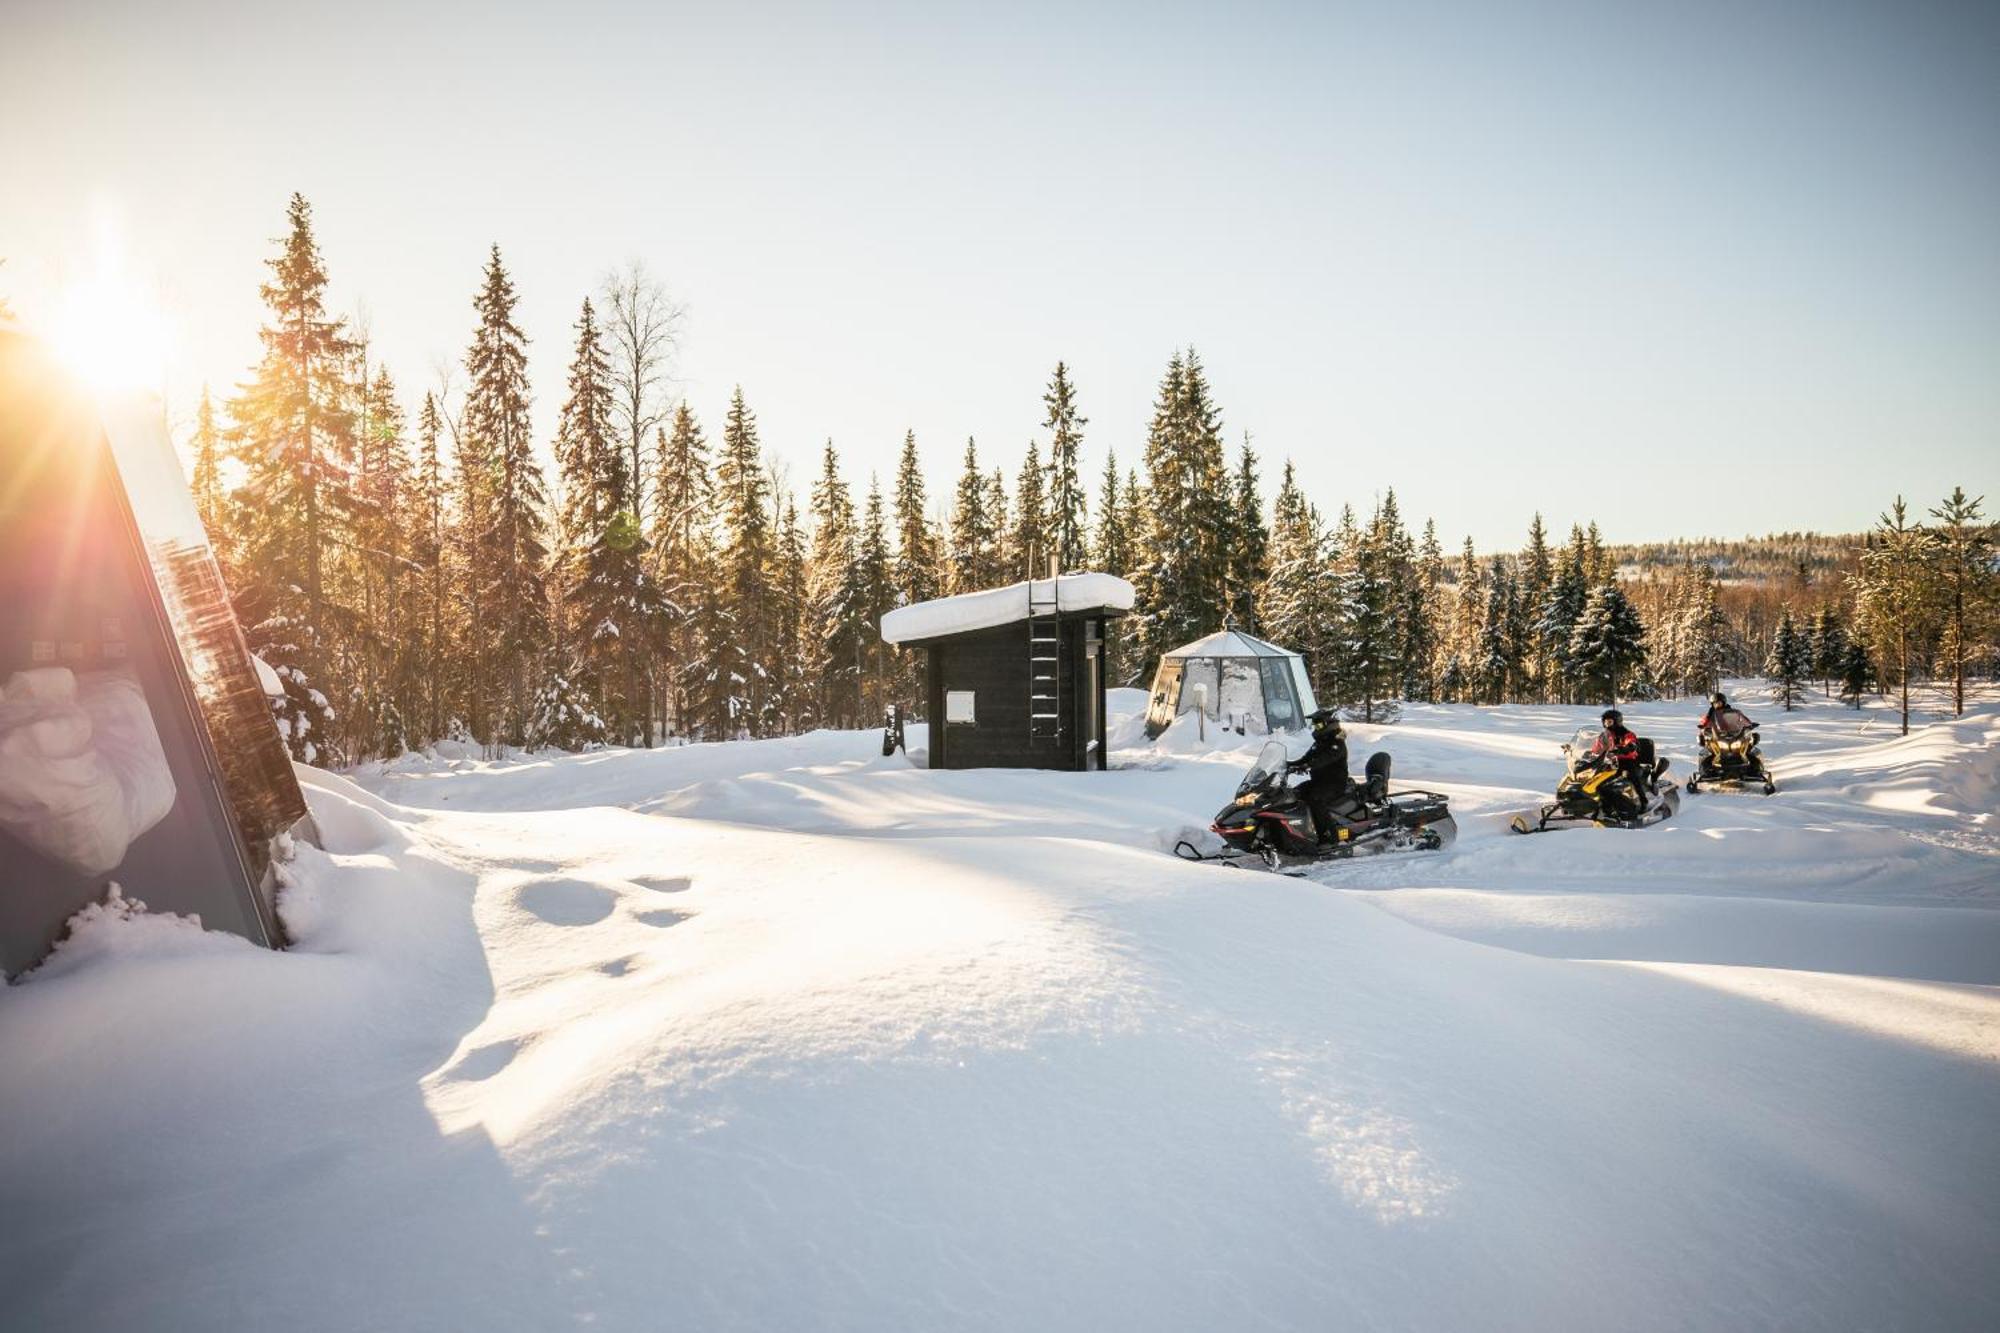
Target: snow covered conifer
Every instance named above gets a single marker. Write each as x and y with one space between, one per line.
1067 530
791 706
205 479
915 573
837 631
1827 637
1790 661
1030 546
970 538
512 549
877 589
1250 544
1967 581
743 499
683 556
428 526
1609 642
1854 671
1897 594
563 715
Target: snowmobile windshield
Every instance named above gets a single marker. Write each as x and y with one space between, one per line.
1580 745
1271 761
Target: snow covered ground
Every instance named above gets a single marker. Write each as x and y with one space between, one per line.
785 1035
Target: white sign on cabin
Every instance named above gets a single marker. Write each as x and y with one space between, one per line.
958 706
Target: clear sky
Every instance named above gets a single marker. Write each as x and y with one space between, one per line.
1690 268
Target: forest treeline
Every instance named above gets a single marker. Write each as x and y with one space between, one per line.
413 573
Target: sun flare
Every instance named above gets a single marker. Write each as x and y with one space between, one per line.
109 333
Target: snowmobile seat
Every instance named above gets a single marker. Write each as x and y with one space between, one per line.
1377 781
1649 766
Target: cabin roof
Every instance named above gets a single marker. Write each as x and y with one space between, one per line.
991 607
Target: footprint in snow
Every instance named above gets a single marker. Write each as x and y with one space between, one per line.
661 917
667 884
565 902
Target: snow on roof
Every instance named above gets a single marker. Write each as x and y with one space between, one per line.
1230 643
1003 606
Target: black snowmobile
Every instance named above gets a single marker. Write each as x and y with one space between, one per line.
1595 792
1268 823
1731 762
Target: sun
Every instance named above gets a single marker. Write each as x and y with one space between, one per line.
109 334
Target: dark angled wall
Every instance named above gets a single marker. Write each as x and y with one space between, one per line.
993 664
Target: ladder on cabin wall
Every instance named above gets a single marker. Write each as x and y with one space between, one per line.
1045 694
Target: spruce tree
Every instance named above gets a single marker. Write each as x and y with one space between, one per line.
1966 579
1536 575
1066 528
511 548
1555 620
295 434
790 708
683 563
1250 544
1853 672
1031 520
1829 645
873 575
838 629
1896 590
972 560
1422 616
1004 560
1790 660
743 499
1608 643
616 612
205 482
429 525
383 681
915 572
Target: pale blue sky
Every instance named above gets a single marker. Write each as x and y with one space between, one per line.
1702 268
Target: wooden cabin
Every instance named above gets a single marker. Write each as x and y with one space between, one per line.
1014 676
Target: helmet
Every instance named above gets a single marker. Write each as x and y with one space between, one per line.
1325 719
1718 700
1612 717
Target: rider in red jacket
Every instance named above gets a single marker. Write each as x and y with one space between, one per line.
1615 743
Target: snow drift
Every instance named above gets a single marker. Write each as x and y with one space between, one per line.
782 1034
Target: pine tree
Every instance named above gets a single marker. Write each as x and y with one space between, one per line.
1967 580
972 561
1829 645
294 431
1608 643
1113 553
1031 520
1896 590
1702 634
1374 646
1536 576
743 497
1250 543
1555 620
616 611
1067 521
382 677
1422 615
428 531
1004 559
1854 671
873 576
205 483
683 562
915 572
1182 568
512 549
791 707
840 631
562 715
1790 660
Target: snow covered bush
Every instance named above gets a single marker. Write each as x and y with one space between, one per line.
564 715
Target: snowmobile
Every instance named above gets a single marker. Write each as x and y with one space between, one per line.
1595 792
1268 823
1730 762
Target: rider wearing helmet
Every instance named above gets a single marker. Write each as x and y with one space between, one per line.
1617 745
1722 719
1326 761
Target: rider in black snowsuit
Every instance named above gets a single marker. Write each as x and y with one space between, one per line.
1326 762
